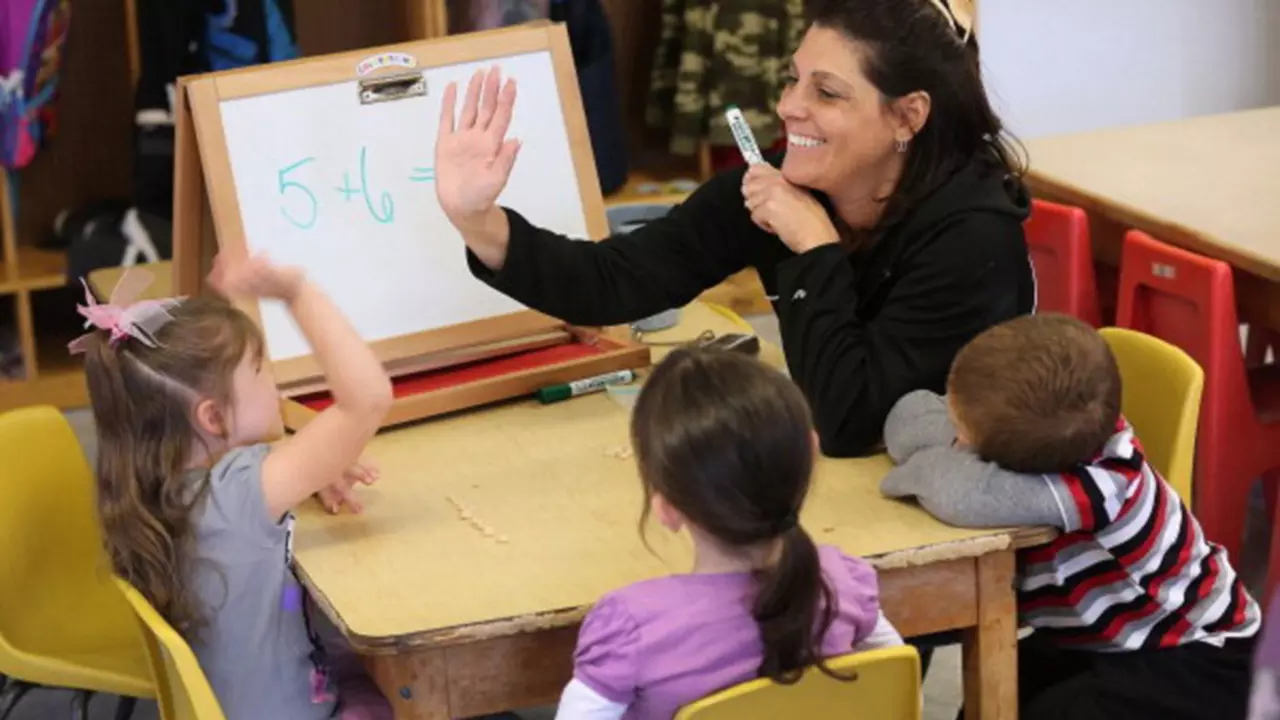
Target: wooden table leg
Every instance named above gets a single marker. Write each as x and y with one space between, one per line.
416 683
991 647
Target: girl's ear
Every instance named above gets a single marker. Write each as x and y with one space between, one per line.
210 420
668 517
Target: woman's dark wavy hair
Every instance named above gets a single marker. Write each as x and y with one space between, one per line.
911 45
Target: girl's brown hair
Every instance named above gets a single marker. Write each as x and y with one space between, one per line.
728 442
144 401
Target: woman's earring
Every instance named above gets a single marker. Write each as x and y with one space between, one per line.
901 146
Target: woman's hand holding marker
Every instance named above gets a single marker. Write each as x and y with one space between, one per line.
776 205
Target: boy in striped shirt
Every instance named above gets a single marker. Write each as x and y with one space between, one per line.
1136 614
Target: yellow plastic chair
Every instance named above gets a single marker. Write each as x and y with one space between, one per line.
887 688
1162 387
182 689
63 623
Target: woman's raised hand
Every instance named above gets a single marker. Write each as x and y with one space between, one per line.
474 157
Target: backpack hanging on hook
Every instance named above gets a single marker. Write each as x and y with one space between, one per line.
32 36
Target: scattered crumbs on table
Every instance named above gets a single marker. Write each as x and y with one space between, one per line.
622 452
828 529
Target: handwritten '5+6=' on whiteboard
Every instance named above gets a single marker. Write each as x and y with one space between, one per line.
347 191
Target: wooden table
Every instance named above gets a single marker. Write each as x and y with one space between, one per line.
1208 184
456 623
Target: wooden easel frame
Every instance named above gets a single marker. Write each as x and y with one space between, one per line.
207 219
205 200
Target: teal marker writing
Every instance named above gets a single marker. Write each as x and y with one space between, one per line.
742 135
564 391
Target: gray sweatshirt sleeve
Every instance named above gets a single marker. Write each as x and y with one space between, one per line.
961 489
917 421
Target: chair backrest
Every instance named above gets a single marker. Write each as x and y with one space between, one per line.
51 548
887 687
1062 256
182 690
1162 388
1187 300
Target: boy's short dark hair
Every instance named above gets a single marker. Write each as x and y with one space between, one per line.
1037 394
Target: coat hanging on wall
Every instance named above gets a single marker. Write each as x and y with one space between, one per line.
714 53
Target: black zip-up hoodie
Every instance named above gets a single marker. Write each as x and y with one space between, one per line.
859 329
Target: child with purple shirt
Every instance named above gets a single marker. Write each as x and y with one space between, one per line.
726 449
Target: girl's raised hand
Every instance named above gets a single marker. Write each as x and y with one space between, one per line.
473 155
255 277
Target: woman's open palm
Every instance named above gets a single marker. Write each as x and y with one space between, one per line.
473 155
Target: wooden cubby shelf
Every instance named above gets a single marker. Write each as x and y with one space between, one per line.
90 156
35 269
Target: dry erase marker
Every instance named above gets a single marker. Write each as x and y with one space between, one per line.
742 135
564 391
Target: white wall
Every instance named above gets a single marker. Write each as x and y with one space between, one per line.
1058 66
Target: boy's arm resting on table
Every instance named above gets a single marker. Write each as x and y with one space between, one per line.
961 489
917 421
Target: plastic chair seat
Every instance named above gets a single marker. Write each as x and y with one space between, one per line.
99 669
1163 387
183 691
1189 300
63 622
887 687
1062 256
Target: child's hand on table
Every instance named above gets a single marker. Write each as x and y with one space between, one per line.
343 493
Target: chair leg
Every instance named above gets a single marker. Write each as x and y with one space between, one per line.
124 709
13 691
80 705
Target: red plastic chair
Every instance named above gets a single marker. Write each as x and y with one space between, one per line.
1058 239
1189 300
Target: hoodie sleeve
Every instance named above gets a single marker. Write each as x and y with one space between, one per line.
854 370
662 265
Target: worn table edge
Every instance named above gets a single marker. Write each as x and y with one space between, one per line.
967 548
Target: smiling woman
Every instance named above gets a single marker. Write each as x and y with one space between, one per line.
887 235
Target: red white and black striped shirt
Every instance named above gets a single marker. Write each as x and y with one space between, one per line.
1133 569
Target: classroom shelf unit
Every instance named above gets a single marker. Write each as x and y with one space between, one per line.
90 157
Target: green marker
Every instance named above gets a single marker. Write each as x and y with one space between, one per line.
564 391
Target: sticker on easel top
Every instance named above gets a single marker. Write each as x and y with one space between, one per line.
384 60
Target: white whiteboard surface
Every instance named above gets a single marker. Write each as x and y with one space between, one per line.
388 257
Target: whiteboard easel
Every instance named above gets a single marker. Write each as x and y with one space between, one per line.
228 122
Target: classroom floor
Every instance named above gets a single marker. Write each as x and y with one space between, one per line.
942 687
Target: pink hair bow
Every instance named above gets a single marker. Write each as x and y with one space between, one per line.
121 315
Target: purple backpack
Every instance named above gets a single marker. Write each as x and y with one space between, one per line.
32 33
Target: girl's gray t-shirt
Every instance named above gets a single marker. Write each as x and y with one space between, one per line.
254 646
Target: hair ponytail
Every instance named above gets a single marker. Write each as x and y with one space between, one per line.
728 442
794 609
143 407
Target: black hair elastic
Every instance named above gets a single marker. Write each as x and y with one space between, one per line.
789 523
